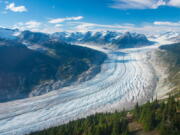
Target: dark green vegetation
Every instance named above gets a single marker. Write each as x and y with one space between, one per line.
161 116
171 56
99 124
22 69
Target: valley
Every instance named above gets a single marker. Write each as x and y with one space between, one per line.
89 67
125 79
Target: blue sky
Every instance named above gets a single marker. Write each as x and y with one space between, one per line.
82 15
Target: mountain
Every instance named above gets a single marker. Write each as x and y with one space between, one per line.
169 36
109 38
8 33
116 39
172 36
26 72
130 40
33 37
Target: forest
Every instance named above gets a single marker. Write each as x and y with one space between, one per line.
161 116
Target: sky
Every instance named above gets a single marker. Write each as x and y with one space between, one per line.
144 16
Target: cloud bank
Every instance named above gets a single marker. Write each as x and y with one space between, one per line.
60 20
77 26
143 4
30 25
167 23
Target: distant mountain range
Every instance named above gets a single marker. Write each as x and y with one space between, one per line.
170 36
114 39
109 38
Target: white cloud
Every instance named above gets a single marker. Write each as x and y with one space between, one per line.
137 4
36 26
82 27
85 26
154 29
148 28
167 23
175 3
143 4
14 8
30 25
60 20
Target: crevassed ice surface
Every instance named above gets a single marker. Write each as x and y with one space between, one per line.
125 79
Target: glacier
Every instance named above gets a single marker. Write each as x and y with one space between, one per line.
126 78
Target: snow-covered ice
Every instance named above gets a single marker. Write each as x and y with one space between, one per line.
125 79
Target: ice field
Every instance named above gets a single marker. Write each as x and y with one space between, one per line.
126 78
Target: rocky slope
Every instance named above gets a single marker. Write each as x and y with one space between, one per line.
26 72
166 62
172 58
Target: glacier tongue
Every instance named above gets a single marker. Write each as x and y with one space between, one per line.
125 79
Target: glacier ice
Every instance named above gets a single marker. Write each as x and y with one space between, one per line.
125 79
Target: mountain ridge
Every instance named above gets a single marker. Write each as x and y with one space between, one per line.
107 38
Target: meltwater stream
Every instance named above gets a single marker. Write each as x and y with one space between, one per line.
125 79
